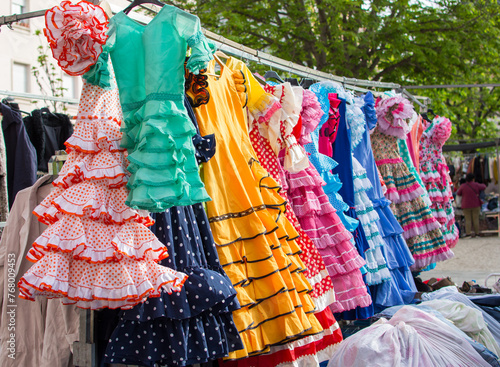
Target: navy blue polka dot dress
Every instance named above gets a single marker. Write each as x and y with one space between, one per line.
191 326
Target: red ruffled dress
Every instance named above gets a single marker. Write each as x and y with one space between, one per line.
96 252
436 177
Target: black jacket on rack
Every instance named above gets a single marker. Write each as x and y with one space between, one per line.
47 131
21 155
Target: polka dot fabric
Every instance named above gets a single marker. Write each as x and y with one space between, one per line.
96 252
194 325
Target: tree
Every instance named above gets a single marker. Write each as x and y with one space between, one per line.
410 42
47 76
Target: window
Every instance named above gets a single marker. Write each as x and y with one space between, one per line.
69 85
20 7
20 77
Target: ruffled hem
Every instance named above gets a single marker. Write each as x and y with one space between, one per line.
93 200
205 289
159 198
429 175
94 133
361 183
398 196
97 242
350 293
166 335
158 135
440 254
101 166
420 228
307 351
114 284
302 179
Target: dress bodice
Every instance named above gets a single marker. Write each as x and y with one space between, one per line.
384 146
149 59
433 139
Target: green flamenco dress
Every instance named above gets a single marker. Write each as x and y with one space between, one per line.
149 64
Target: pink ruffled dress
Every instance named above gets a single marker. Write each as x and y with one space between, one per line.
436 177
319 219
266 114
421 230
96 252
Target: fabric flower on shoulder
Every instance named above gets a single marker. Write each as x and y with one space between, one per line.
76 34
442 130
391 115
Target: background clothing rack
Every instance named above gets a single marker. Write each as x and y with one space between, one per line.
39 96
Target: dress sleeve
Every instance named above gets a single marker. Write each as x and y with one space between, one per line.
99 73
189 28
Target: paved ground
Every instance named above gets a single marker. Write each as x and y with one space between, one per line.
475 259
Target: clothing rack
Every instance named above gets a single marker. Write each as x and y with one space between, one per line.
242 51
38 96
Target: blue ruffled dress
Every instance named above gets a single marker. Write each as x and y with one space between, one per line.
401 288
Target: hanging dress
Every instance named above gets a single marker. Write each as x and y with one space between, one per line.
321 137
254 240
266 115
421 231
149 65
401 287
436 176
341 145
196 325
368 217
319 220
404 150
96 252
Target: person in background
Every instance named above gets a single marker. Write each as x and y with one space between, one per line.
471 203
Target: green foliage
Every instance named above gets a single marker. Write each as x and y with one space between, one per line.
410 42
47 76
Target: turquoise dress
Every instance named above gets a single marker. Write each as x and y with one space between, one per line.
148 61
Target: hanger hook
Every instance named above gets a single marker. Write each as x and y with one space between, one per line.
242 52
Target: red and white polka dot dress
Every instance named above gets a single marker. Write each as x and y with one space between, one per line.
96 252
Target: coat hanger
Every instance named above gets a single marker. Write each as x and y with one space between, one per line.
425 115
306 83
140 2
221 54
221 64
45 110
271 74
9 101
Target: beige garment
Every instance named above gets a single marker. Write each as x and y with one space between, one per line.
4 199
44 329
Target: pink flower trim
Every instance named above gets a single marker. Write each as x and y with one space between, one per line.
389 161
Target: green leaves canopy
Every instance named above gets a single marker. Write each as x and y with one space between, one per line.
407 42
